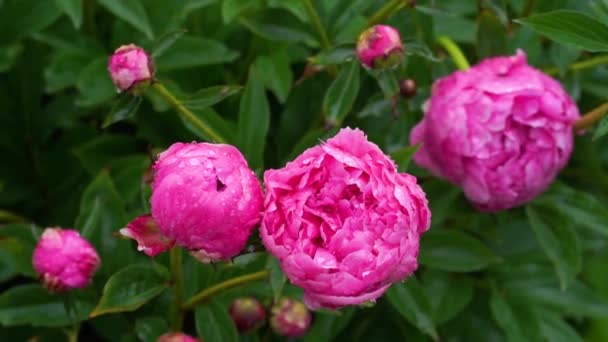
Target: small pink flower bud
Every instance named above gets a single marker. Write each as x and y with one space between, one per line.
380 47
64 260
145 231
248 314
130 68
206 198
290 318
177 337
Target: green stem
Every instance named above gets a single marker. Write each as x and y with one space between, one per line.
591 118
386 11
316 21
177 277
186 113
454 51
586 64
209 292
73 334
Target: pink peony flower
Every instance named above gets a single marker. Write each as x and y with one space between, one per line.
247 313
64 260
343 222
290 318
146 232
502 130
177 337
380 47
129 67
206 198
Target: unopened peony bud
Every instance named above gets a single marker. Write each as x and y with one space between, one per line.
380 47
177 337
501 130
145 231
290 318
130 69
408 88
248 314
64 260
206 198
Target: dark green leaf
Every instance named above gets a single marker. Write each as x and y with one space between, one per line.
98 153
33 305
64 70
602 128
519 323
190 51
254 120
233 8
277 32
275 71
454 251
570 27
73 8
148 329
491 36
411 302
277 277
554 329
336 55
403 156
133 12
214 324
222 127
342 94
8 55
559 241
165 42
448 295
296 7
124 108
101 215
327 326
416 48
208 97
132 287
94 84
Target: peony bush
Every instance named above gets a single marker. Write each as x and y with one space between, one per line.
306 170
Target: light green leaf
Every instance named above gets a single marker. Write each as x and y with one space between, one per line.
214 324
254 120
570 27
342 94
559 241
131 11
454 251
411 302
73 8
132 287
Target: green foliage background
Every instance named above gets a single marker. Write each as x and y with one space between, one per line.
528 274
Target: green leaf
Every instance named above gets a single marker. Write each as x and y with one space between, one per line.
602 128
208 97
254 120
73 8
275 71
582 208
165 42
277 277
554 329
448 295
491 35
97 153
102 214
148 329
33 305
124 108
190 51
570 27
295 7
411 302
559 241
403 156
214 324
64 70
221 126
94 84
233 8
336 55
519 323
454 251
327 326
8 55
276 32
132 287
133 12
342 94
415 48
